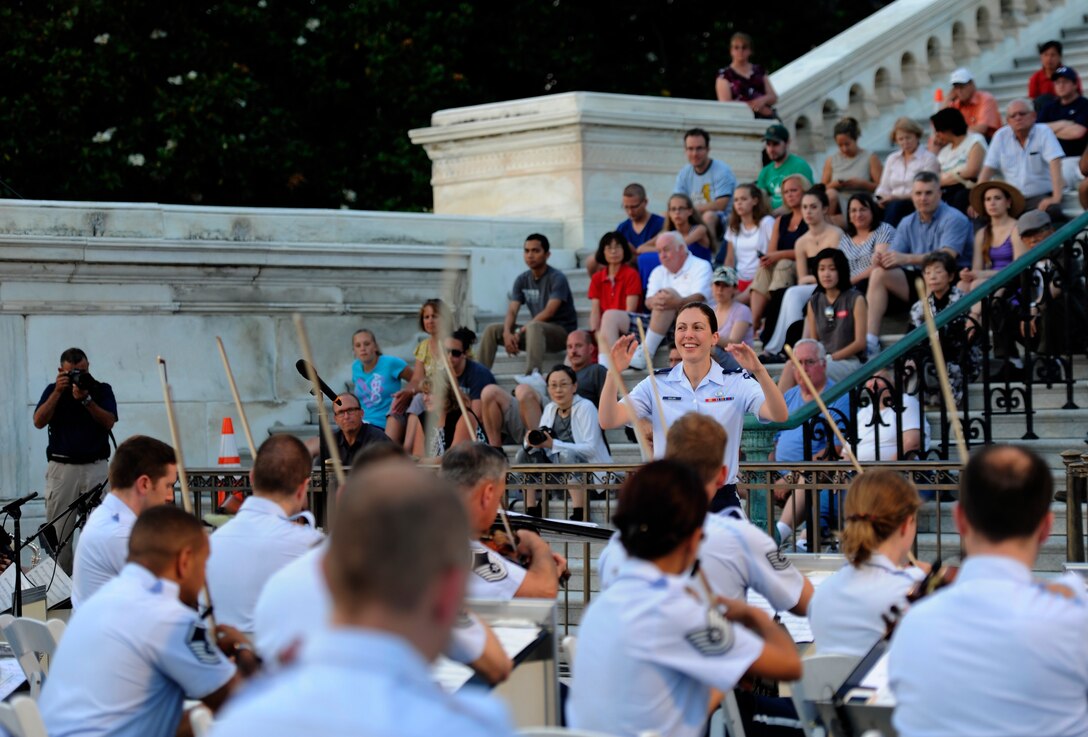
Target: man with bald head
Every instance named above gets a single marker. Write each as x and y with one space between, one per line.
681 278
1028 156
351 433
949 665
137 648
393 608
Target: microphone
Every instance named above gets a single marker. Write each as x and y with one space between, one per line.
302 366
12 506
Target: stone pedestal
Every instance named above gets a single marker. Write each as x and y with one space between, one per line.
569 156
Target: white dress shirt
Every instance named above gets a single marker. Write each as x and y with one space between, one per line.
102 549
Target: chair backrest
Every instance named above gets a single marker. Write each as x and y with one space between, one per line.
821 676
570 645
30 641
20 718
730 714
5 620
563 732
201 720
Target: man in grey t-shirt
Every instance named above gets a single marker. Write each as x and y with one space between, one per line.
546 293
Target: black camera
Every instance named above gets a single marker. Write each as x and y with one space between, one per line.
540 435
82 379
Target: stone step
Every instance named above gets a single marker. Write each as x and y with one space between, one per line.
1050 424
1051 556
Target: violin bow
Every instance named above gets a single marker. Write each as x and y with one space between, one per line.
803 377
183 476
942 370
322 414
650 373
237 398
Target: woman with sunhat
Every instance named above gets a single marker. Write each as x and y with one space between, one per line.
997 243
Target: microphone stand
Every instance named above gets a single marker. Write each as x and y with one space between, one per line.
84 503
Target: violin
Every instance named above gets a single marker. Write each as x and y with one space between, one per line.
498 540
938 577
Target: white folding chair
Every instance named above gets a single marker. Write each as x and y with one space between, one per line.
5 620
729 714
30 640
564 732
20 718
201 720
821 676
569 645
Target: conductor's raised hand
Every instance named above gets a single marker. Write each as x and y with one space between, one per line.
745 356
623 351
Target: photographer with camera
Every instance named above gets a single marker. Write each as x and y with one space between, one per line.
569 434
79 412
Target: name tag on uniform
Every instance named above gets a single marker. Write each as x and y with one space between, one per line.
667 398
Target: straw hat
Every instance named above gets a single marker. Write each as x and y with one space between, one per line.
979 192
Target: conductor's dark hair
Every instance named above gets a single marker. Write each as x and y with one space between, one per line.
541 239
660 506
1005 492
467 464
282 463
139 456
73 356
160 533
704 308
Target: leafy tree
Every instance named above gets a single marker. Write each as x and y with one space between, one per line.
286 103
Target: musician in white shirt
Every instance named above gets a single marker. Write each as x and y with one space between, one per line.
881 522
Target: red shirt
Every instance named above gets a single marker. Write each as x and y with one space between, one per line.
613 294
1040 84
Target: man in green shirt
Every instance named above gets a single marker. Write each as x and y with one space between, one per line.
783 164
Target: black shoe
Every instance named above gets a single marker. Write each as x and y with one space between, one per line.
766 358
534 511
1061 496
577 514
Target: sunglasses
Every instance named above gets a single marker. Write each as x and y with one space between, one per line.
454 352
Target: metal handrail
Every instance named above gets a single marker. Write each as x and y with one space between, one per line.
919 335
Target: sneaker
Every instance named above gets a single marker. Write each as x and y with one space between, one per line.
638 361
872 346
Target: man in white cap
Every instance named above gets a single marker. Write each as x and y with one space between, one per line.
979 108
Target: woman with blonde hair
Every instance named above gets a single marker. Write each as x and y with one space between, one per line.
881 522
893 192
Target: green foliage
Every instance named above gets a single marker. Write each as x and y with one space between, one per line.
285 103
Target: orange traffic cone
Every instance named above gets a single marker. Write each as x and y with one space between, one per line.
229 458
938 99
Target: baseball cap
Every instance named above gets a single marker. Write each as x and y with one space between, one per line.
961 76
726 275
1033 220
776 132
1065 72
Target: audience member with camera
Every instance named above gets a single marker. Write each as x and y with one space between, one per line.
79 412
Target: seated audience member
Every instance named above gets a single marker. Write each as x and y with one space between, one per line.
820 234
376 378
960 154
682 219
1082 188
681 278
734 318
1029 157
569 434
865 231
836 315
933 226
850 170
962 356
265 534
894 191
743 81
142 475
1041 85
546 294
848 611
407 401
789 445
394 607
777 270
650 634
891 435
137 648
639 229
295 603
614 291
997 243
979 108
782 164
981 656
512 416
351 433
478 472
748 235
708 183
449 428
1067 116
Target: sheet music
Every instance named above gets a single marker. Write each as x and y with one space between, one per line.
798 627
514 638
11 676
59 585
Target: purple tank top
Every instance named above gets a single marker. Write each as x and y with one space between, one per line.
1001 256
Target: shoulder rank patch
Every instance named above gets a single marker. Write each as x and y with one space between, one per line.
662 371
713 640
778 561
198 643
487 567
